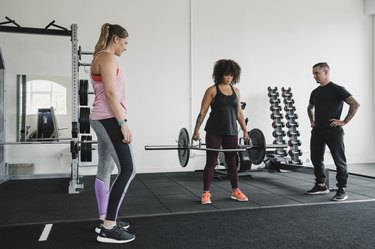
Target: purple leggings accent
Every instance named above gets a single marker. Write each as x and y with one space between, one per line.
227 142
102 195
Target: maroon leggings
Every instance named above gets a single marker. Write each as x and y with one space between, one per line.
227 142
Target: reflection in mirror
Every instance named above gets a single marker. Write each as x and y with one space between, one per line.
42 107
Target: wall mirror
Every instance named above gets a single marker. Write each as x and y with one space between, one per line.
44 108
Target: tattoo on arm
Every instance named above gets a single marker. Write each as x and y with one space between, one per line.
353 107
200 120
310 108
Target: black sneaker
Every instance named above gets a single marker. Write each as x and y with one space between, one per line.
115 235
120 223
340 195
318 190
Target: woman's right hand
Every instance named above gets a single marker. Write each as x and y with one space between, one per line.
126 133
196 135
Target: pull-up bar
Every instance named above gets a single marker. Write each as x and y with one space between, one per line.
61 31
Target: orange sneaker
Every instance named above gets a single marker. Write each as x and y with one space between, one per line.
238 195
206 198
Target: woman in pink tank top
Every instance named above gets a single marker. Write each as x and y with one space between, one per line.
109 121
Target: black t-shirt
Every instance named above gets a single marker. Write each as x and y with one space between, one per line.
328 102
223 116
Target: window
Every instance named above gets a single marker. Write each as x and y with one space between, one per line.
44 94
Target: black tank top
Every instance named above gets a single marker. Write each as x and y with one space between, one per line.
223 116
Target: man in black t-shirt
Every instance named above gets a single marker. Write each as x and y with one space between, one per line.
324 110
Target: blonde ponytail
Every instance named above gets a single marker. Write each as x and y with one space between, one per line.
106 33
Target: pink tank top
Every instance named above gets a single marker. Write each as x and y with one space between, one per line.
100 108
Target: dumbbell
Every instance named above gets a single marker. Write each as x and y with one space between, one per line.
275 116
286 94
294 142
295 152
288 101
274 101
272 89
289 108
283 89
278 124
289 124
276 133
273 94
275 107
292 134
290 116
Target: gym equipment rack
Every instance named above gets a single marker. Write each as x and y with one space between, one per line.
51 29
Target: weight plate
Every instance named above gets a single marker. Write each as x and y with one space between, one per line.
83 149
183 145
83 92
86 149
84 120
258 151
89 149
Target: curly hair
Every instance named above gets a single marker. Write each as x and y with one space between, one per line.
226 67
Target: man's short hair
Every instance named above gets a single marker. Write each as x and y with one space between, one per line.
322 65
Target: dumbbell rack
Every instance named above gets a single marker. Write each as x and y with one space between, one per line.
279 155
292 126
277 123
277 160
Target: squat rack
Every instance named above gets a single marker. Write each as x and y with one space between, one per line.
56 30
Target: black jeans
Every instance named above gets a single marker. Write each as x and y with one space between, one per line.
334 139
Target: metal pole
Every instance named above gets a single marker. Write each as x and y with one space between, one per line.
3 173
74 185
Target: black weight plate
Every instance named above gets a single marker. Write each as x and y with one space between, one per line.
84 120
83 149
258 151
83 92
183 145
89 149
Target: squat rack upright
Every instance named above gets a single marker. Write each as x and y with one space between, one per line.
74 185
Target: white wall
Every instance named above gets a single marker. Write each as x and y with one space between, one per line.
277 43
172 51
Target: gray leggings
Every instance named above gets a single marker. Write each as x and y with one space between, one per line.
111 149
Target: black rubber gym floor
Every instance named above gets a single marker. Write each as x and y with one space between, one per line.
165 212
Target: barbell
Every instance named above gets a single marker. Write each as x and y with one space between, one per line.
256 149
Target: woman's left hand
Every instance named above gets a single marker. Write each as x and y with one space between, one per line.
246 136
126 133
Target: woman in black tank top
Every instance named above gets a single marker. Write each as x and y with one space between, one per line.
221 127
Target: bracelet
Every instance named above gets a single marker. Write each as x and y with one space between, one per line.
122 122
